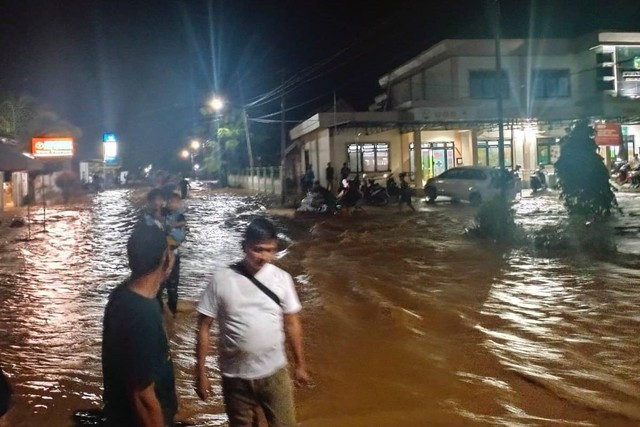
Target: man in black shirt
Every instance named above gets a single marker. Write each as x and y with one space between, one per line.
329 175
139 383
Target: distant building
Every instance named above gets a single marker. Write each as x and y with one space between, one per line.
445 98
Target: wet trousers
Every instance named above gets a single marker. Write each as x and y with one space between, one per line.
171 285
274 394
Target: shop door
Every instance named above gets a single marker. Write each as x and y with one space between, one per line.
436 160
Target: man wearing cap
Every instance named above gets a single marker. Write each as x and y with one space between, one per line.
256 307
139 383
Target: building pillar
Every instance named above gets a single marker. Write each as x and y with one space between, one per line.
1 191
417 159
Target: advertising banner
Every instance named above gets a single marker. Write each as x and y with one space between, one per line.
52 147
608 133
110 144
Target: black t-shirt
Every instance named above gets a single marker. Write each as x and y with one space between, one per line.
135 353
329 173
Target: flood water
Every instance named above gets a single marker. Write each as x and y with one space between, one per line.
407 321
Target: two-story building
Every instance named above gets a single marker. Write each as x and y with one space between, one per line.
446 99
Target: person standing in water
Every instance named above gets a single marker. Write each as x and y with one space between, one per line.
405 192
256 307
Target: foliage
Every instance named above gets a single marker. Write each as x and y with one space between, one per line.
22 118
227 150
582 176
495 220
16 111
573 234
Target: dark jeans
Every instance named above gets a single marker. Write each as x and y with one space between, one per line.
171 285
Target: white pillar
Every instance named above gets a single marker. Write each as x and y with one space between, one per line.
1 191
417 159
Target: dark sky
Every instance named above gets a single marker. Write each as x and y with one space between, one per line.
143 69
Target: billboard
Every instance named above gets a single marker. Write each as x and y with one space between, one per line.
52 147
608 134
110 145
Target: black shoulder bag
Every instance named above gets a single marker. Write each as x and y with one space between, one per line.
239 268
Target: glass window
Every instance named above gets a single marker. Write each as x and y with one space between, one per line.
548 150
551 84
382 157
482 84
369 157
489 154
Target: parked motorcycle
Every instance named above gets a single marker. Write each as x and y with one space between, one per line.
392 188
375 194
538 180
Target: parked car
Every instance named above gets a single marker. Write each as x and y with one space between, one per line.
470 183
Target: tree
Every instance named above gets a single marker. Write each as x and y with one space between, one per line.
16 112
227 150
582 176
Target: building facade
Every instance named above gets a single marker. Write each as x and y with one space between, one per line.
446 99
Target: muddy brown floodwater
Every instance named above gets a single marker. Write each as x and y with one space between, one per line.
408 322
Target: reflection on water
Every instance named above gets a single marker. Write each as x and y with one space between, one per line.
407 321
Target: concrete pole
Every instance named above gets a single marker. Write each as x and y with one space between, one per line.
1 191
417 159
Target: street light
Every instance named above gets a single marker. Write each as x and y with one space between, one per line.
216 104
195 144
185 154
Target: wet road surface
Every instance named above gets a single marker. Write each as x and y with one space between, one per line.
408 321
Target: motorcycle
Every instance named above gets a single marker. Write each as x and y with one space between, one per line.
393 191
375 194
538 180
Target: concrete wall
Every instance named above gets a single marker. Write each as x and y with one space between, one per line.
263 180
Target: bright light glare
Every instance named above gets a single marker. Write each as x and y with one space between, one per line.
195 144
196 167
185 153
216 103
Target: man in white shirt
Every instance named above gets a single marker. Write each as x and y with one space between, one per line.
253 325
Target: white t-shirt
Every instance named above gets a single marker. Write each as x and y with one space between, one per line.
251 340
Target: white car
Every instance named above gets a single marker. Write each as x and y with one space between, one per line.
471 183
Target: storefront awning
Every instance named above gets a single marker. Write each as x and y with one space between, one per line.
12 160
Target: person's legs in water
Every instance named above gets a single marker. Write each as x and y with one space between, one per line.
172 284
275 396
240 402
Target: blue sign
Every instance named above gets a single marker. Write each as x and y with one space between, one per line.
109 137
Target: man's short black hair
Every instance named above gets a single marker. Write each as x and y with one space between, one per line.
146 249
154 194
260 230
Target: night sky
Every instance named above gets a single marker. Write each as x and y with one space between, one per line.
143 69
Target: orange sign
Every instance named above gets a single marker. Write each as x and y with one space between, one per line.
608 134
52 147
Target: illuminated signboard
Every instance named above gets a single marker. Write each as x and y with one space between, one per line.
109 137
110 148
52 147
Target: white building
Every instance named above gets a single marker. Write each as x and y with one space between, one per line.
446 99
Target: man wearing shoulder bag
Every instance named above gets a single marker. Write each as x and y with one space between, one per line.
256 307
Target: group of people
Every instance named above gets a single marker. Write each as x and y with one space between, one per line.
254 304
351 193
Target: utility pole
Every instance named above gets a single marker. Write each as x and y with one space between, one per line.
248 137
496 15
283 145
245 116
